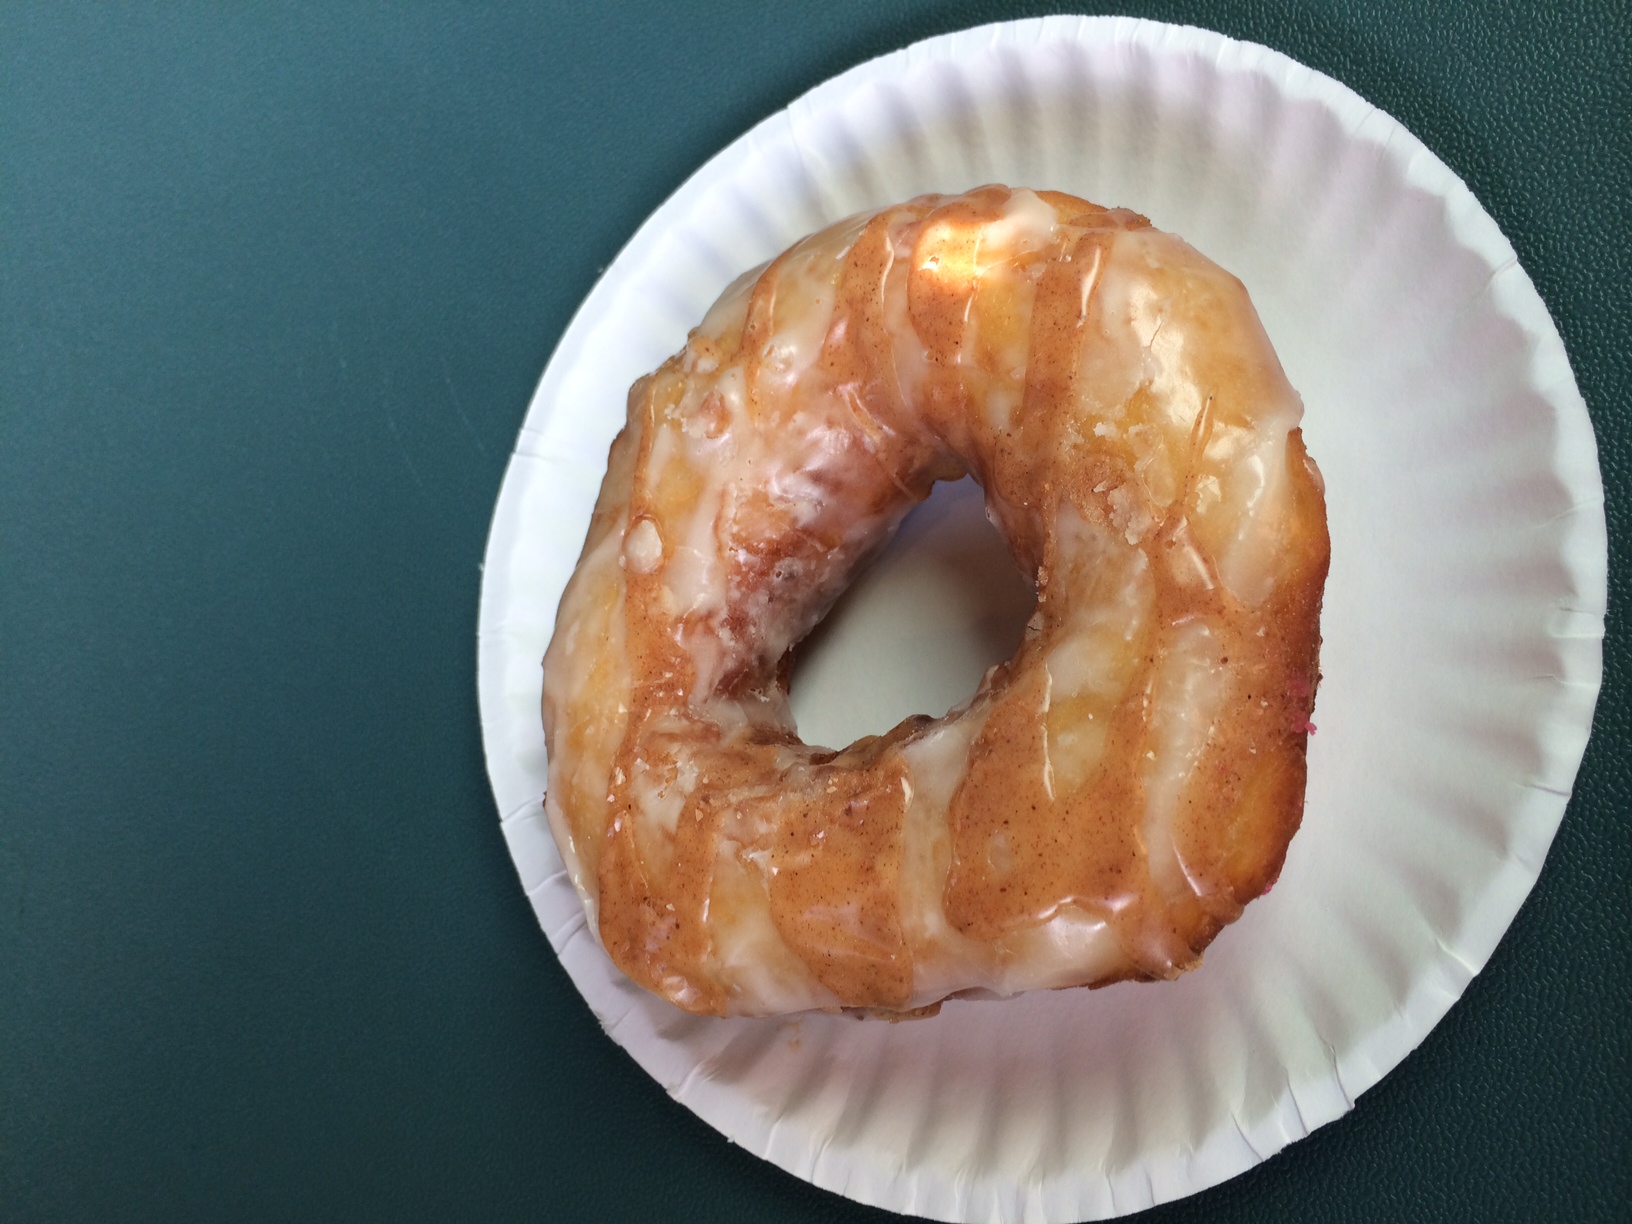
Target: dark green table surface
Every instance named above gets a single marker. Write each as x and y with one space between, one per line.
276 283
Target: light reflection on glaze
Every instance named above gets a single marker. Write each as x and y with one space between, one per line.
1110 797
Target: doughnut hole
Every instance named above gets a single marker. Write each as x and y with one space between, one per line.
918 629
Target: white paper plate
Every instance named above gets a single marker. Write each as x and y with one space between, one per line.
1463 622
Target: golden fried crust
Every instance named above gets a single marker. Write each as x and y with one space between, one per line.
1114 794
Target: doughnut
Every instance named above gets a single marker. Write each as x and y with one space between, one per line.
1109 798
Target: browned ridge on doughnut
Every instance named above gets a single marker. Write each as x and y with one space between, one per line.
1112 796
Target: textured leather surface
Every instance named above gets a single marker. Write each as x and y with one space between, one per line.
276 283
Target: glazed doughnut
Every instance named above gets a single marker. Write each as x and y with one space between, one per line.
1109 798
